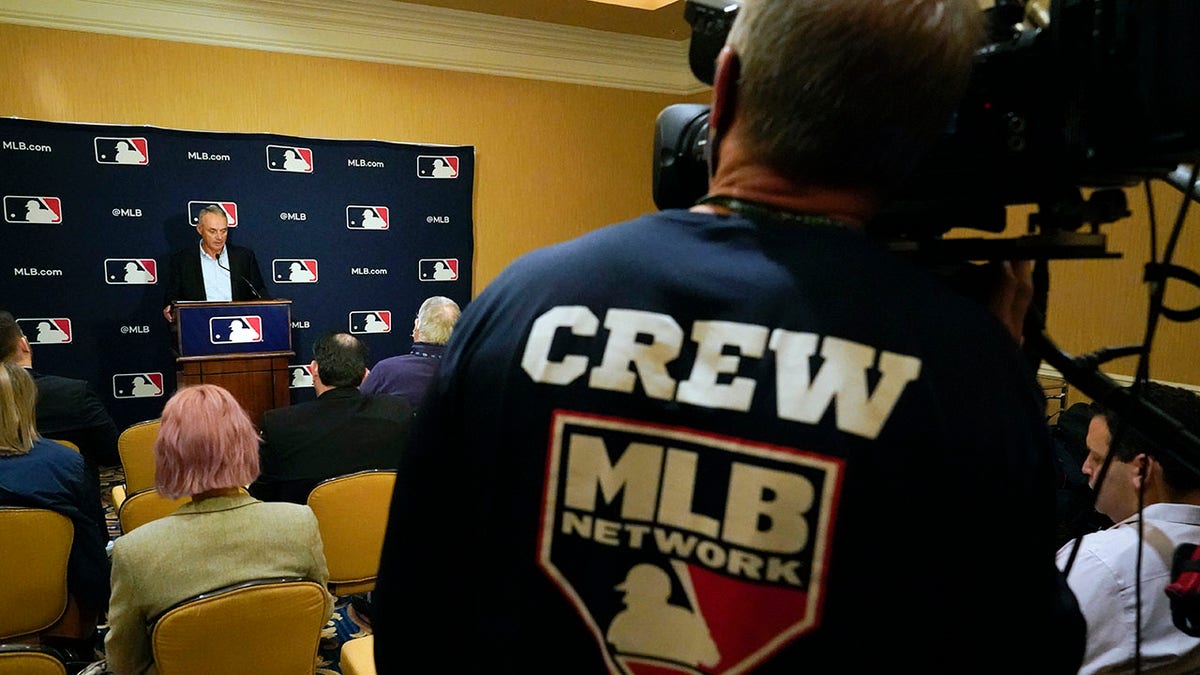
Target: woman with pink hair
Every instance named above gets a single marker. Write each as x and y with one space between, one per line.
207 448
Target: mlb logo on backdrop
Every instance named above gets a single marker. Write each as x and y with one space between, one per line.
301 376
360 217
438 269
294 270
122 151
31 209
235 329
130 271
195 207
437 166
374 321
137 385
290 159
51 331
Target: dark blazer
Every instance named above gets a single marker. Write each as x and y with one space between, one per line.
341 432
185 280
70 410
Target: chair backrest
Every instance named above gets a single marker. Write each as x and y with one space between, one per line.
30 660
135 445
69 444
34 545
352 513
144 506
265 626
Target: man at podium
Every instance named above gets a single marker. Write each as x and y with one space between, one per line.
218 271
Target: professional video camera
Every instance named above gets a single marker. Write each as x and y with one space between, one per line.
1089 94
1101 96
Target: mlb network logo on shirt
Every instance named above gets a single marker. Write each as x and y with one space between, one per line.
30 209
301 376
232 329
122 151
195 207
130 271
438 269
374 321
437 166
137 385
56 331
359 217
294 270
290 159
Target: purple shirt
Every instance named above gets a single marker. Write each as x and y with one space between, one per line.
407 375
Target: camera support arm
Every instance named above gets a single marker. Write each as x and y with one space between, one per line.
1146 418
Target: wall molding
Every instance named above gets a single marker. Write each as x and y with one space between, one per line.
1124 380
385 31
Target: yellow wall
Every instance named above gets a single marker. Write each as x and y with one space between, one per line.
553 160
1098 303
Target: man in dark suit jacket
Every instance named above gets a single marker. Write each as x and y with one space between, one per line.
217 271
67 409
341 432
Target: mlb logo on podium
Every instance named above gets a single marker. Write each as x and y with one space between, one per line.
294 270
137 385
437 166
32 209
135 151
301 376
373 321
50 331
195 207
235 329
289 159
360 217
438 269
130 271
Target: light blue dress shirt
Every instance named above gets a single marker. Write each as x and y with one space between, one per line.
217 286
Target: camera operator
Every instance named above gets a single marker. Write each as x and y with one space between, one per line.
744 436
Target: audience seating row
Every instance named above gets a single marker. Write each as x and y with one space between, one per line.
283 615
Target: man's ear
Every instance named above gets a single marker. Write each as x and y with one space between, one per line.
313 368
720 117
1143 466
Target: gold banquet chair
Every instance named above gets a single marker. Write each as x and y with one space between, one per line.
352 513
30 660
263 626
69 444
33 565
144 506
135 445
358 656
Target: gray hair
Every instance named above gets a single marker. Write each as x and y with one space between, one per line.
850 92
436 319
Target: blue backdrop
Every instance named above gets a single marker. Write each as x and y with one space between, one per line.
356 233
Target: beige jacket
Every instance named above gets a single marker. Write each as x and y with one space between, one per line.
201 547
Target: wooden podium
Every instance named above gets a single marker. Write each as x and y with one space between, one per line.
241 346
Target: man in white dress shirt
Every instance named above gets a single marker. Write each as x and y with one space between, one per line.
1103 575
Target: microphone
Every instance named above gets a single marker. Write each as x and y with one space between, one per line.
244 279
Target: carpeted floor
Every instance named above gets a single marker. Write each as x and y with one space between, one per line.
345 624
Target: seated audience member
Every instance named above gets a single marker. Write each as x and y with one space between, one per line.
67 409
206 448
409 375
1103 574
341 432
39 473
1075 510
